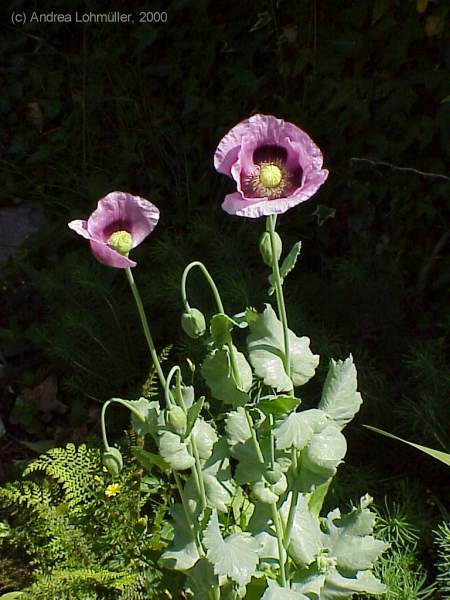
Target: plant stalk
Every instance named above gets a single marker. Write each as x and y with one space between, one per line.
148 335
271 223
293 504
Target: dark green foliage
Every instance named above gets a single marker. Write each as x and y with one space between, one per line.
82 540
141 108
442 541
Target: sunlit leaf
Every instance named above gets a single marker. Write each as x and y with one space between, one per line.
216 371
340 398
266 352
235 557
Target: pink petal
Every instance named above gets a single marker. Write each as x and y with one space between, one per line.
107 256
120 210
80 227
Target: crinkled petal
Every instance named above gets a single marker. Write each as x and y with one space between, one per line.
80 227
120 210
235 204
236 155
107 256
261 129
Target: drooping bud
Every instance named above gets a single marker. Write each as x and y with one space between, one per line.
176 419
121 242
193 322
265 247
113 461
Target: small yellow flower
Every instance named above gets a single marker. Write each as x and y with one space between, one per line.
142 521
113 489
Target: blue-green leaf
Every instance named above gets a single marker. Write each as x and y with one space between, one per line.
278 406
275 592
149 459
340 398
216 371
182 554
266 352
306 537
235 557
175 452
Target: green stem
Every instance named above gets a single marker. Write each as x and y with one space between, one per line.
148 335
271 223
167 393
254 437
293 504
272 443
220 307
209 279
103 417
197 470
198 467
187 514
279 531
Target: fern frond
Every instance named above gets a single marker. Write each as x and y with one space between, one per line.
150 386
28 493
73 469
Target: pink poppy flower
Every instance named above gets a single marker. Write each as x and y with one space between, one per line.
275 165
120 222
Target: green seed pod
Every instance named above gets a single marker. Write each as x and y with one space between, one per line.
113 461
176 419
193 322
265 247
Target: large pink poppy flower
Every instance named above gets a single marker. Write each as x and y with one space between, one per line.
120 222
275 165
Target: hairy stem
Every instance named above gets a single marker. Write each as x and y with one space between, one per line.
148 335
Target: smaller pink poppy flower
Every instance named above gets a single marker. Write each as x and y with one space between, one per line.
119 224
275 164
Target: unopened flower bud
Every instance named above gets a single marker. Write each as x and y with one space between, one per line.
265 247
273 475
193 322
176 419
113 461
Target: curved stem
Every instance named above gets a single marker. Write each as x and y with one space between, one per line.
220 307
103 416
167 393
103 424
209 279
148 335
271 223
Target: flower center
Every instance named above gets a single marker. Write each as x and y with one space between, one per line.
270 179
270 175
121 242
